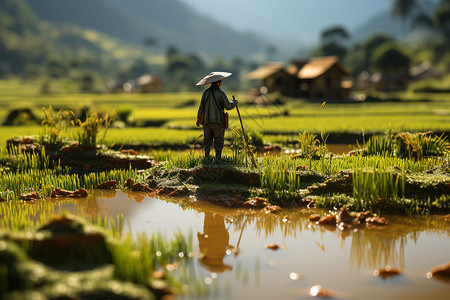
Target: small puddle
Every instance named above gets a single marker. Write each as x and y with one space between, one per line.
237 265
335 149
340 148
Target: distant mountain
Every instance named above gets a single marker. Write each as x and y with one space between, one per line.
168 22
386 23
19 41
28 44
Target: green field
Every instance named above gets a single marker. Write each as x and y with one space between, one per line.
170 117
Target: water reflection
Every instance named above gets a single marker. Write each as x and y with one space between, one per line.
213 243
369 247
412 244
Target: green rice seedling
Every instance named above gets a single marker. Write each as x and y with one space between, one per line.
18 160
407 146
279 179
374 189
431 144
21 216
242 147
323 150
92 180
56 124
380 145
310 146
361 162
334 201
90 128
419 145
185 160
42 181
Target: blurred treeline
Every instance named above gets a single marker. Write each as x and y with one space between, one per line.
381 52
88 61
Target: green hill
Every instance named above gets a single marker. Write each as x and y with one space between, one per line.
19 28
28 44
168 23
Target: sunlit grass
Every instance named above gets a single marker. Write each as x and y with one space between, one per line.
179 110
33 172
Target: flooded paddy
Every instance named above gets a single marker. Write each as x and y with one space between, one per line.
235 254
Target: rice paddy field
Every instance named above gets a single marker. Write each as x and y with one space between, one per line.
140 214
171 116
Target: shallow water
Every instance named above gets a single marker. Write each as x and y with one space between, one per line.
238 266
338 149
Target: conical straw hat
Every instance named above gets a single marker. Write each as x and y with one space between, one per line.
213 77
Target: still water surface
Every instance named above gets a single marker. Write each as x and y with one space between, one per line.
238 266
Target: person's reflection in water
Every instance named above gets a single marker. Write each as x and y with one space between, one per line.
213 243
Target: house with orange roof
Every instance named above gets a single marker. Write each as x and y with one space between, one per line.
316 78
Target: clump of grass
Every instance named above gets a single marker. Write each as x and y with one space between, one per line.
56 124
312 148
374 189
414 146
18 160
33 172
309 144
279 179
420 145
90 128
380 145
242 148
334 201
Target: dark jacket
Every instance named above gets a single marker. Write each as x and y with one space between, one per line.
214 101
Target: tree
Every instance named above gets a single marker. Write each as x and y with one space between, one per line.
172 50
403 9
56 68
390 58
87 82
179 62
359 57
331 49
137 68
441 19
333 42
336 34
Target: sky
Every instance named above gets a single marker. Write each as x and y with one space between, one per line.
287 18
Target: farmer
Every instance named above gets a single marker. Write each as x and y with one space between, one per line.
211 112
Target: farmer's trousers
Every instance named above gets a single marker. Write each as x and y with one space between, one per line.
213 132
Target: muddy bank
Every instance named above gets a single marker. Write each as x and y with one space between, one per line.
233 187
82 158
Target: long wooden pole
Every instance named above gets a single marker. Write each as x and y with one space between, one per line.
240 119
243 133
